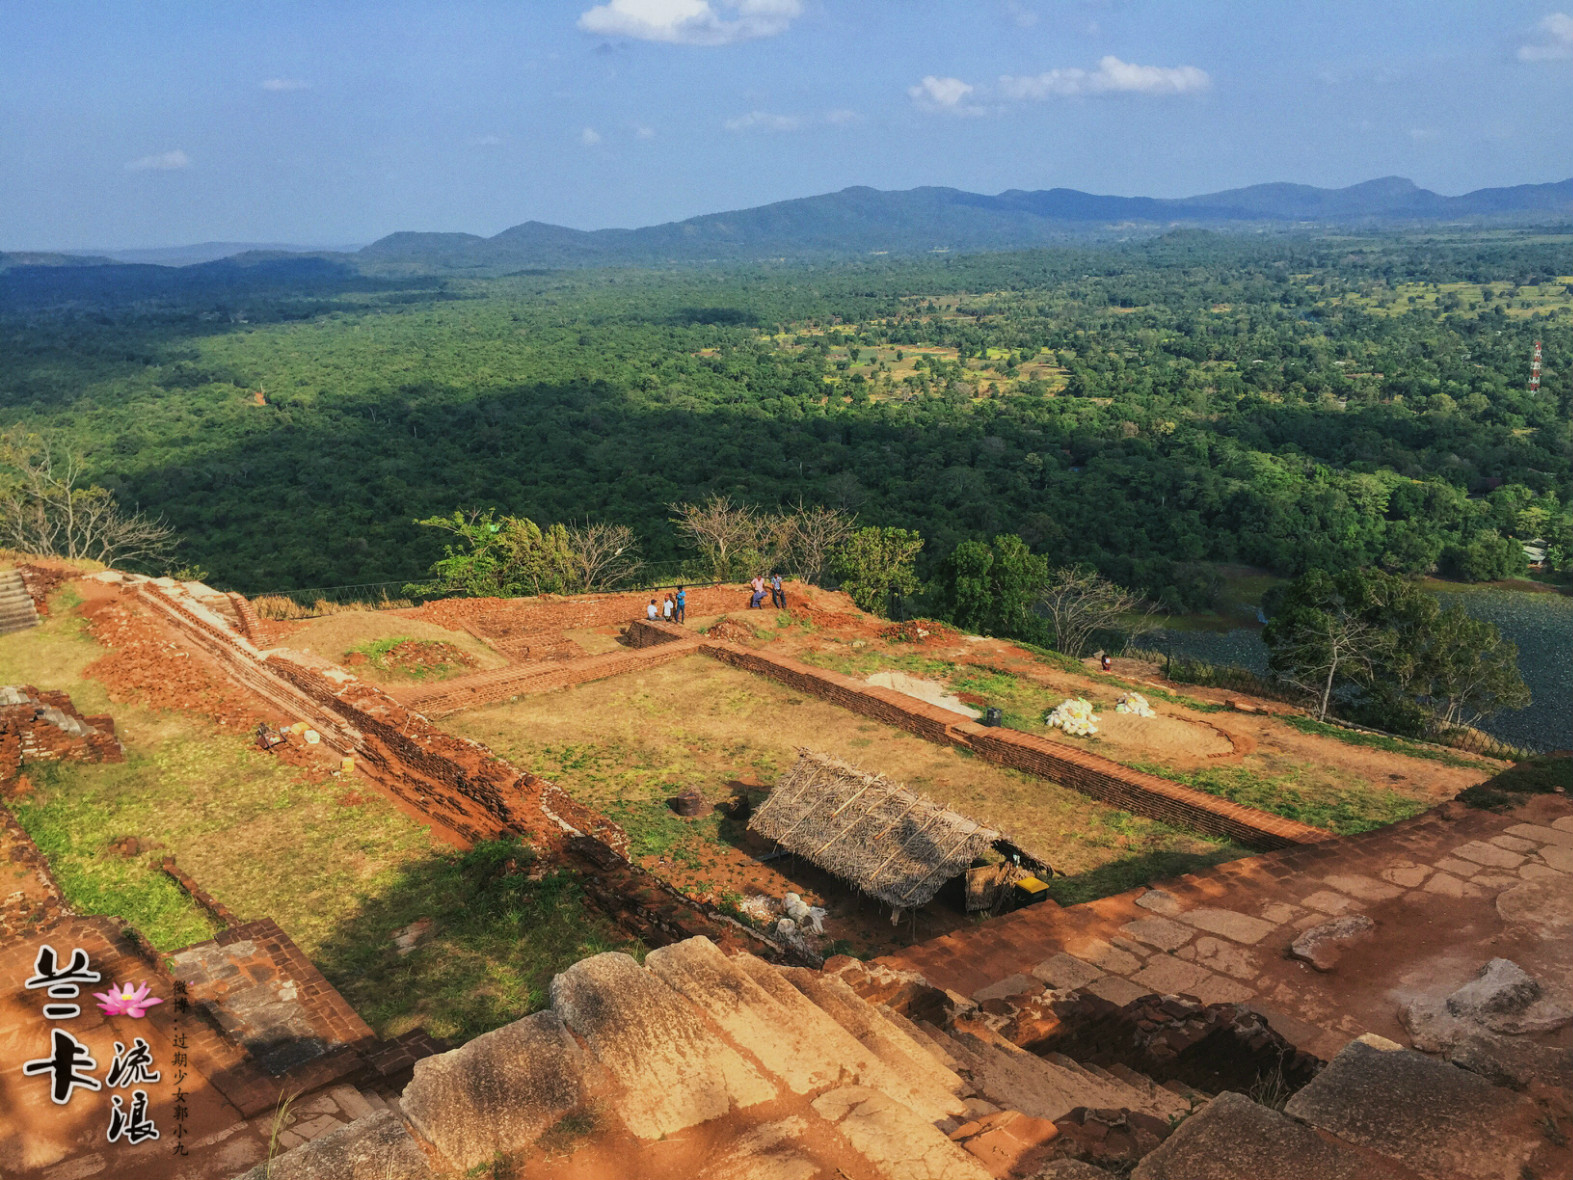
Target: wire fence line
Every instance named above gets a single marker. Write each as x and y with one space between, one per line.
407 592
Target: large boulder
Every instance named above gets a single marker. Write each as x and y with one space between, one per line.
1505 998
499 1092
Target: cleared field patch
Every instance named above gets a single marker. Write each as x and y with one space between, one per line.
628 745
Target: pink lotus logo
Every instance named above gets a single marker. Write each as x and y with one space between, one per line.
125 1000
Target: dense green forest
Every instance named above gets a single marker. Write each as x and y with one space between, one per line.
1151 407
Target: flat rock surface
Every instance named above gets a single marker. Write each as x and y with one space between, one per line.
373 1148
1322 946
1232 1138
674 1072
1438 1119
1545 904
1162 933
893 1139
1228 923
1065 971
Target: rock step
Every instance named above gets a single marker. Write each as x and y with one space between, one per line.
1192 1095
1043 1087
867 1067
747 1014
890 1044
671 1069
920 1034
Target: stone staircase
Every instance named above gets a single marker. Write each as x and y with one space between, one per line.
17 612
716 1067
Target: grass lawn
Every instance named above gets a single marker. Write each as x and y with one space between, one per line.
337 866
627 745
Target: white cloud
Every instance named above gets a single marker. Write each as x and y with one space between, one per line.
1112 76
763 121
644 132
1558 42
1022 16
486 141
692 22
286 84
1424 134
767 121
944 94
160 162
589 137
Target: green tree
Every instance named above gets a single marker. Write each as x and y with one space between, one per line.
970 598
876 563
501 557
991 588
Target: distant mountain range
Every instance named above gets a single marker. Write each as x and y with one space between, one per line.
866 220
861 221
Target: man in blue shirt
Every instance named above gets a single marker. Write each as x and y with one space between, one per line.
682 605
777 594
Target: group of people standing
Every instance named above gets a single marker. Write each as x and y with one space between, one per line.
675 608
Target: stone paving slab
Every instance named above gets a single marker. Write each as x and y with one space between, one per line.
1245 914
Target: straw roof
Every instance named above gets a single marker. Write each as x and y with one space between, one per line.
891 843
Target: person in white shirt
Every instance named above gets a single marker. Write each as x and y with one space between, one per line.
666 609
650 611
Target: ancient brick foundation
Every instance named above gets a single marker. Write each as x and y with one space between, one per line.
1100 778
44 726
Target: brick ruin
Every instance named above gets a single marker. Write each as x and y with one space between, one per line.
44 726
1032 1045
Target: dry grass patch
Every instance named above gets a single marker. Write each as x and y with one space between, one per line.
333 637
627 745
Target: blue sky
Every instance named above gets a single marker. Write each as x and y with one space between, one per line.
127 124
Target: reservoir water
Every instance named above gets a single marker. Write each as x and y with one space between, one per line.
1540 624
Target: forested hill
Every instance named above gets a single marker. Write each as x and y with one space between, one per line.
1149 408
865 220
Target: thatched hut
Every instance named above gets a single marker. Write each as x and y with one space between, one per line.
887 841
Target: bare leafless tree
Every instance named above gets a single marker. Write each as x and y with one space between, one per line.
1078 601
603 556
1319 647
810 537
47 507
725 533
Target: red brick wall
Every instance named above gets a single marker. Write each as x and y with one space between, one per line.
1102 779
508 618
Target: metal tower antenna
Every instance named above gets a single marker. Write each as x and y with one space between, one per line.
1534 370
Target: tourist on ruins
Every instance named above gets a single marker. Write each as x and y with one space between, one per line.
1107 662
777 594
681 605
667 608
650 612
758 584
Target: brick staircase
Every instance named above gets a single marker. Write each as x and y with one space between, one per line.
17 612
